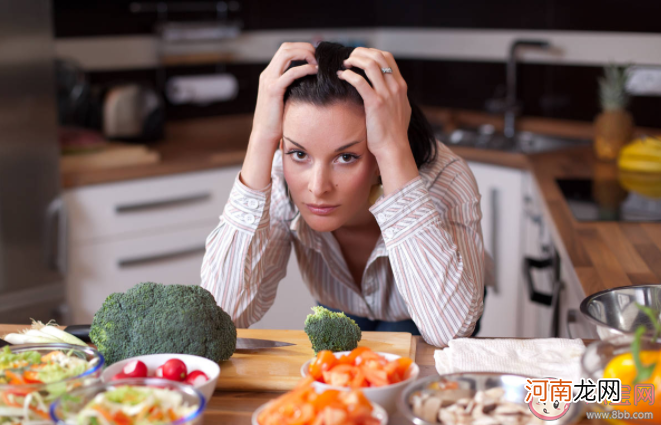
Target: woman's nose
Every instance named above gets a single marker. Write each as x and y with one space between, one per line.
320 182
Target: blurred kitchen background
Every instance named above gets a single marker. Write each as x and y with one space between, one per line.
149 104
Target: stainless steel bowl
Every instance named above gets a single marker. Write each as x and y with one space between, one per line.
614 311
514 386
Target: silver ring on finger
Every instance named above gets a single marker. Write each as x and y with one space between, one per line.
386 70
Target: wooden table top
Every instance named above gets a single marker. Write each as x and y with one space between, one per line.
237 407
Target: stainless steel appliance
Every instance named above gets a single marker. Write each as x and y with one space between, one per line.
32 219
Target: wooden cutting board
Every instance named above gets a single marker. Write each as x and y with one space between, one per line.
279 369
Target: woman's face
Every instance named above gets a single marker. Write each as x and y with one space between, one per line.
327 165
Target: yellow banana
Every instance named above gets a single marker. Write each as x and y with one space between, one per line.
642 155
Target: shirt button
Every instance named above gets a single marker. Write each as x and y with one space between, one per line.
249 219
253 203
382 217
389 233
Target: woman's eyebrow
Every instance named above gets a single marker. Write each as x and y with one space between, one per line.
341 148
291 141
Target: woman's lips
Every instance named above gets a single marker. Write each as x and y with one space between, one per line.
321 209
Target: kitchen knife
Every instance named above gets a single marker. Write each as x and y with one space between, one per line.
83 332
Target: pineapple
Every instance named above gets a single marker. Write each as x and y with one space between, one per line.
614 126
612 88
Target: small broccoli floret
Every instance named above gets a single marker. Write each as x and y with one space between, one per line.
328 330
152 318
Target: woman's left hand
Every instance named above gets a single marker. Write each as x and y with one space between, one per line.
387 107
387 113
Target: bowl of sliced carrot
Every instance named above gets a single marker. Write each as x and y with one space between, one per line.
307 405
381 376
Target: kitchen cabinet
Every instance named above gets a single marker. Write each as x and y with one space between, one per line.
154 229
129 232
501 203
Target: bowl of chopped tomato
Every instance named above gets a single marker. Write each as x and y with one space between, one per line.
307 405
381 376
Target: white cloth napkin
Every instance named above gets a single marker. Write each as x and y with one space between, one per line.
549 357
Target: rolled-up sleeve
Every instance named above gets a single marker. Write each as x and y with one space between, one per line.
434 243
246 254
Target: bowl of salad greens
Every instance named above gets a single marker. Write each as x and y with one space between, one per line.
135 401
32 376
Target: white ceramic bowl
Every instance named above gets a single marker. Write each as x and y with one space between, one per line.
153 361
385 396
378 412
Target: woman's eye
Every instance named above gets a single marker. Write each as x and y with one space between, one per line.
347 158
298 155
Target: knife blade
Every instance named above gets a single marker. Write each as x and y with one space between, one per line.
259 344
83 331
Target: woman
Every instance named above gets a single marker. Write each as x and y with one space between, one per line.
327 136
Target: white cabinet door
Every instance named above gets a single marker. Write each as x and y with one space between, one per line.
99 269
501 205
128 208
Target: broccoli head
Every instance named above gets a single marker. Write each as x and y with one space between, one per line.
332 331
151 318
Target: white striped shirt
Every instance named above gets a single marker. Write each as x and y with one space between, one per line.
427 265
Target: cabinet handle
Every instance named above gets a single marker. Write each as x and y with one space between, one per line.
153 205
141 261
495 208
536 296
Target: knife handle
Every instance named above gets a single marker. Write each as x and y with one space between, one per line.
79 331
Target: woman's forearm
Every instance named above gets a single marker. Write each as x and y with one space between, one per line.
256 169
397 167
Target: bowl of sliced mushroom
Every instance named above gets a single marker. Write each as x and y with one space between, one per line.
478 398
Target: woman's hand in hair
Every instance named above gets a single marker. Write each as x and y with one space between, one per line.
267 121
387 114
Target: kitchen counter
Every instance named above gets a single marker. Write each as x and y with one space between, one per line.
236 407
602 255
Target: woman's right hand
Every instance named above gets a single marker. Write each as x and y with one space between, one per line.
267 122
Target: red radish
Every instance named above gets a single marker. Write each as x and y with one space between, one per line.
135 369
120 375
196 377
175 370
159 371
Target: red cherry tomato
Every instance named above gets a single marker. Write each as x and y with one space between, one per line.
174 370
135 369
196 377
118 376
